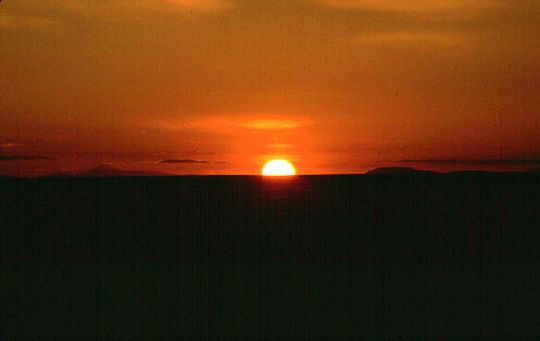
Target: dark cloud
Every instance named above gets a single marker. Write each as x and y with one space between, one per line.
24 157
397 170
494 162
183 161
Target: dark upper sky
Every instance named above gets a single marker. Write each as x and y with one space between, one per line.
332 85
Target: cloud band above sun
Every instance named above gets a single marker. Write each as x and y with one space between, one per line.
223 124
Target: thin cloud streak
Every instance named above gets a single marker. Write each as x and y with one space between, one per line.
413 5
202 5
410 38
190 161
24 157
235 124
10 145
144 6
11 21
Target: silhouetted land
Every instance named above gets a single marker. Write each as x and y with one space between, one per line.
434 255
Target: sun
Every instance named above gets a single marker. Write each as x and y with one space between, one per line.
278 168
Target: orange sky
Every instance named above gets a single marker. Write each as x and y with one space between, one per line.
335 86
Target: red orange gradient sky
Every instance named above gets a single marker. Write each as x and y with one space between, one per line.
221 86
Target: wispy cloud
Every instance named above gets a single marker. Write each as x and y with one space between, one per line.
12 21
270 124
411 38
236 124
183 161
249 122
132 7
201 5
413 5
24 157
42 15
8 145
493 162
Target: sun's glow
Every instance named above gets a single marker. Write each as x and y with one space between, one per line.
278 168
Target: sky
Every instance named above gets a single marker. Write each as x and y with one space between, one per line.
222 86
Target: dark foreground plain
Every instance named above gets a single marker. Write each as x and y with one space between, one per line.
421 255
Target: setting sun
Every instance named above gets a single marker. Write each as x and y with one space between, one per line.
278 168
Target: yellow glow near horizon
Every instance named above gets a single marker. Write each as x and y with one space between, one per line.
278 168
